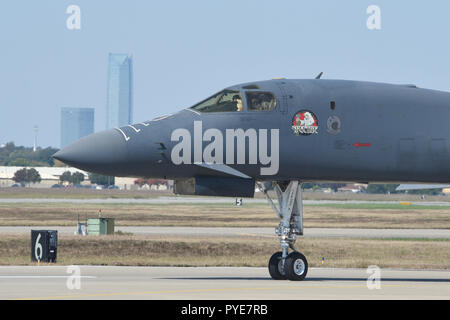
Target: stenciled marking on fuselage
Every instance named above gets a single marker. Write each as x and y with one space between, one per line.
136 130
123 134
214 151
162 117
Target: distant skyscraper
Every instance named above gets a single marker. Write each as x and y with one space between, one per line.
119 100
75 124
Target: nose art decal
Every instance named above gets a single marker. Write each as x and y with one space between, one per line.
305 123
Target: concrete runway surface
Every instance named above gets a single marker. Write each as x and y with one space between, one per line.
104 283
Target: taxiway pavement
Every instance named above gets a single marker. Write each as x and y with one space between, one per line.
107 282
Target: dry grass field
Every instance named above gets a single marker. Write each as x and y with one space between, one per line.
251 251
220 215
126 249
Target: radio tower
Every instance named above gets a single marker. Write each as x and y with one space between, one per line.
36 129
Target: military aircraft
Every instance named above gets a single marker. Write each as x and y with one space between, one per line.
276 134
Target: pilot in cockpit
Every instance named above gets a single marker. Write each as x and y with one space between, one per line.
237 99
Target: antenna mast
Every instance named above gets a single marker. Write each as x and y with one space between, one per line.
36 129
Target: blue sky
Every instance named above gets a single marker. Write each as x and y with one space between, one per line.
186 50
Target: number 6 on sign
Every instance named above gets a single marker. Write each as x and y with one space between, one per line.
37 247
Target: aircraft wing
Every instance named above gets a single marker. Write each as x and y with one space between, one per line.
223 168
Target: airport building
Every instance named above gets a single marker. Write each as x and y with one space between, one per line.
49 175
125 183
75 124
119 100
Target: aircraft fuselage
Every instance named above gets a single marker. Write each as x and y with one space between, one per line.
319 130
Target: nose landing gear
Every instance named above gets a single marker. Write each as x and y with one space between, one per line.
284 265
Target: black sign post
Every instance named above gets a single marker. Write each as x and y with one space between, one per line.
44 245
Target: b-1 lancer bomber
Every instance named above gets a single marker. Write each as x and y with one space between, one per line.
276 134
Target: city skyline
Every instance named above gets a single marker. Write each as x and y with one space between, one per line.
75 124
119 96
184 52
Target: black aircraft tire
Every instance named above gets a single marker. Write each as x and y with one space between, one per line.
275 267
296 266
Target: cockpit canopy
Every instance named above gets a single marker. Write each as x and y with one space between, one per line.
224 101
231 100
260 101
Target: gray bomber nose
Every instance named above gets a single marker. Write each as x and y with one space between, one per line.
101 152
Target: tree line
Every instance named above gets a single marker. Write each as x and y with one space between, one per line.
20 156
27 176
78 177
12 155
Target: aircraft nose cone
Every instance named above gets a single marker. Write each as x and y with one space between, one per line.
101 152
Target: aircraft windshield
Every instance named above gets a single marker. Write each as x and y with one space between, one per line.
224 101
261 101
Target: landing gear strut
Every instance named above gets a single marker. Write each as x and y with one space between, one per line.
285 265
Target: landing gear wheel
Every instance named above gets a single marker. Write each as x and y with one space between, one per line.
290 212
296 266
276 267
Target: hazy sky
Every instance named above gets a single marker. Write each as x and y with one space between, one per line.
186 50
